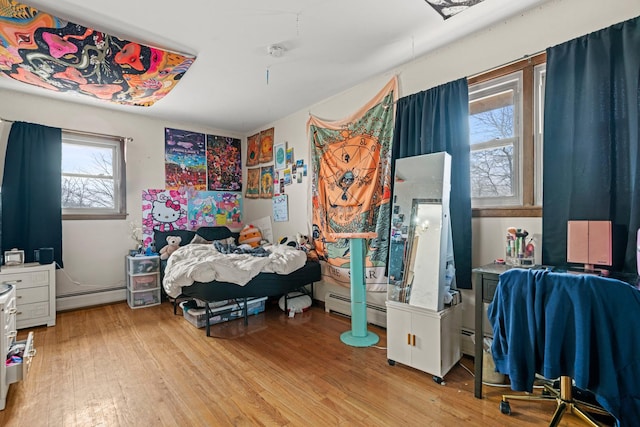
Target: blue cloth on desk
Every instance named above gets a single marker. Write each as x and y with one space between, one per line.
583 326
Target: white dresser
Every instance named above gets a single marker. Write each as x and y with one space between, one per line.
15 370
35 293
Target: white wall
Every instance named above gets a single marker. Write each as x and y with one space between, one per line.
93 251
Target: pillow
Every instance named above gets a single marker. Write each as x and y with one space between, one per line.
213 233
297 302
160 237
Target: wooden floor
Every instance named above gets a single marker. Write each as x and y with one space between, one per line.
113 366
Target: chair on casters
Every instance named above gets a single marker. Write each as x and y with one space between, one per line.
565 401
570 327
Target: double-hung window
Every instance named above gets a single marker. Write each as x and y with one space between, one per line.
93 176
506 107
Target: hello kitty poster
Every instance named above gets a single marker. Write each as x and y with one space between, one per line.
163 210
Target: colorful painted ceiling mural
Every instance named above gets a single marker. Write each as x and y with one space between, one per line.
49 52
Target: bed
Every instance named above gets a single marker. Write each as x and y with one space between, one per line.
254 278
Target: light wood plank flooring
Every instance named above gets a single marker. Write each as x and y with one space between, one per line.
113 366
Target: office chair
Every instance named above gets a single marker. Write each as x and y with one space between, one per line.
565 403
548 323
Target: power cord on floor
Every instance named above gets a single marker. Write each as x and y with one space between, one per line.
87 285
490 384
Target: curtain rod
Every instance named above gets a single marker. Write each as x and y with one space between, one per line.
126 139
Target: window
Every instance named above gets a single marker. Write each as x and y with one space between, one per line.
506 108
495 109
93 176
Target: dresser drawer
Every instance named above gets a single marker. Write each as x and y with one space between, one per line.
19 371
32 311
31 295
27 280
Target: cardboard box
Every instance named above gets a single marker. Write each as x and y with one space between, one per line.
197 316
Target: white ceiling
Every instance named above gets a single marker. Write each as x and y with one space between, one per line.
330 46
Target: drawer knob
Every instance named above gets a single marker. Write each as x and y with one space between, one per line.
32 352
12 310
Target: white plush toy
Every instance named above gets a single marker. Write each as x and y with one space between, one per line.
173 243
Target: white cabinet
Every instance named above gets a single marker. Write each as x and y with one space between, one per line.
35 293
423 339
16 369
143 280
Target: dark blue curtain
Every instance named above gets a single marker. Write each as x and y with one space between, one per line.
438 120
31 190
591 127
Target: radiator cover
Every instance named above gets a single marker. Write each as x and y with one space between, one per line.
340 304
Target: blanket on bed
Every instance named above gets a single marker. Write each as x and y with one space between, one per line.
204 263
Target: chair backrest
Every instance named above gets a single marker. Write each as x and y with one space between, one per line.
561 324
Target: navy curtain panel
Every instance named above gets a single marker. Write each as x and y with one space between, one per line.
591 126
437 120
31 190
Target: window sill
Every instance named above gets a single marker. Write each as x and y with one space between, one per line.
513 211
92 216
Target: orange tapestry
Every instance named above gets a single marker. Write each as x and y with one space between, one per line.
351 186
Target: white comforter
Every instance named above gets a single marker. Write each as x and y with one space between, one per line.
203 263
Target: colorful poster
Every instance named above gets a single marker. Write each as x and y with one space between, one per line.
224 163
280 156
253 150
253 183
185 161
52 53
266 182
351 187
163 210
266 145
212 208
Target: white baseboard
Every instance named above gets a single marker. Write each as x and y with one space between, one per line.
73 302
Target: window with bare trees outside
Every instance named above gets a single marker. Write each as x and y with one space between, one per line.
92 176
505 125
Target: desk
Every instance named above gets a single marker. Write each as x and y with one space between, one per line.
485 283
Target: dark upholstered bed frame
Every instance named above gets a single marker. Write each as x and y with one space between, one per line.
263 285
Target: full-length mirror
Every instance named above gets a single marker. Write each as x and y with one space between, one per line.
420 239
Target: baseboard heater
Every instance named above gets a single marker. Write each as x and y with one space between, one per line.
84 299
466 343
339 304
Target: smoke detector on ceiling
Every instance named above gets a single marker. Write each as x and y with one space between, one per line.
275 50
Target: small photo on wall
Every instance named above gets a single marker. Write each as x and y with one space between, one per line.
289 156
287 176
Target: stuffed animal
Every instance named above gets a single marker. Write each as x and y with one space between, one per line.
305 244
251 236
289 241
173 243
